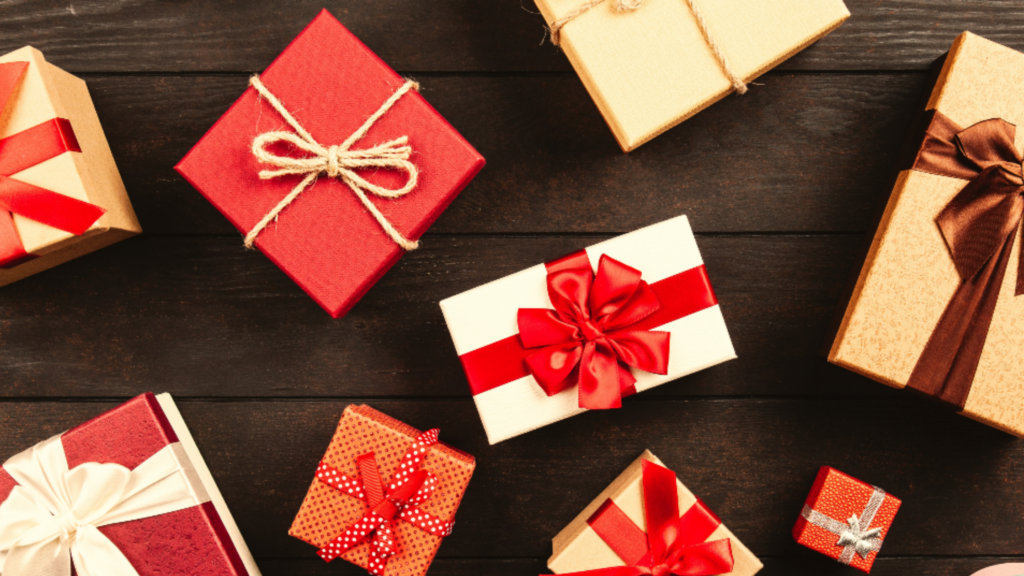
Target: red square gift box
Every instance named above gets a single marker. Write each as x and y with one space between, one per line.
845 519
125 494
384 495
331 164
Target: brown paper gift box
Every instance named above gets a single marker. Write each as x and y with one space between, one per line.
578 547
651 68
909 277
44 93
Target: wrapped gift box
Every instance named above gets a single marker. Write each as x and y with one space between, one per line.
61 195
184 527
650 68
326 240
1002 570
372 449
599 537
846 519
951 328
485 325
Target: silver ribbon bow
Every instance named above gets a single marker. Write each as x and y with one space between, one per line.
854 535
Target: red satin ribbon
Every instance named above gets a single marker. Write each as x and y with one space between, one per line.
24 150
664 301
409 488
673 544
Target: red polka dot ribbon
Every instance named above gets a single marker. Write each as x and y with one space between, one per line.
409 487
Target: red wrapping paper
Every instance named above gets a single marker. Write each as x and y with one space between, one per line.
192 541
326 241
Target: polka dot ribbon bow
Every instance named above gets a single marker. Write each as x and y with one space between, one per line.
409 488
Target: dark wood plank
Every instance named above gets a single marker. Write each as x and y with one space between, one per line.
752 461
809 153
438 35
203 316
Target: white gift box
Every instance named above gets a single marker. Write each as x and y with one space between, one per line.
486 316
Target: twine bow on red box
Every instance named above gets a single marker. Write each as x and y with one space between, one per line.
409 488
591 338
22 151
673 544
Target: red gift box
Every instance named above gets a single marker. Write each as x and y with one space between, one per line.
327 240
198 537
845 519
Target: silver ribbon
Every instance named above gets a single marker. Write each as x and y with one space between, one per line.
854 536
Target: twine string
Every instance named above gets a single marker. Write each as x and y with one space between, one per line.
338 161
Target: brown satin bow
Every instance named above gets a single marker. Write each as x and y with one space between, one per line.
979 226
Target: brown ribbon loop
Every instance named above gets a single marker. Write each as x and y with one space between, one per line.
979 226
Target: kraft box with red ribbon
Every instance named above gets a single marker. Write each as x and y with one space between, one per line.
331 164
583 331
939 303
61 195
384 495
125 494
846 519
648 522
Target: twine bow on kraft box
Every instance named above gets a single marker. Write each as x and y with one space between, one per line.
331 164
939 304
60 192
651 64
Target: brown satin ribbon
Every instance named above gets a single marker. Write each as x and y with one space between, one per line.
979 226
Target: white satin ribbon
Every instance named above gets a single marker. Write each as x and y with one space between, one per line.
51 518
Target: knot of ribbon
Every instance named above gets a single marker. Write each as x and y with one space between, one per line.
673 544
400 499
51 519
24 150
589 340
855 536
979 225
336 161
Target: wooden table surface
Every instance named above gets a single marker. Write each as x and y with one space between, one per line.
779 185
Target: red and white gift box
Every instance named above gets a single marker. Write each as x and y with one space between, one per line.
485 326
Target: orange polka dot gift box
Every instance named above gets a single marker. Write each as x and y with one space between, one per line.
384 495
846 519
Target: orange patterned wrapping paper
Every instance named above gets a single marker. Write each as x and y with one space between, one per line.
326 512
909 276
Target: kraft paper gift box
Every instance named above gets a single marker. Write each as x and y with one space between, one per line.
670 326
610 533
648 65
61 195
384 495
846 519
131 495
935 308
364 197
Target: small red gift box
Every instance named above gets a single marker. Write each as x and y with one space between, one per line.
845 519
125 494
331 164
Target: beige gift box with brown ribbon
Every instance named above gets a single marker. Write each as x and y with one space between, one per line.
651 68
909 277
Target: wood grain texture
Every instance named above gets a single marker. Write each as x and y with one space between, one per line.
436 35
204 317
809 153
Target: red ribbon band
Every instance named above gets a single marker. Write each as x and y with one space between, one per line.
673 544
409 488
22 151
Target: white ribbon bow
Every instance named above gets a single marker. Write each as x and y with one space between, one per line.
52 517
863 541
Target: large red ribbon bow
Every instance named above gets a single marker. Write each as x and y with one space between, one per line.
409 488
22 151
673 544
587 340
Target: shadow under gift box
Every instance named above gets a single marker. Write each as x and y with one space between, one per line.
199 540
82 169
910 278
326 240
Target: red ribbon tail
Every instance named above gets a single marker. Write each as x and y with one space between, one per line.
707 559
599 377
